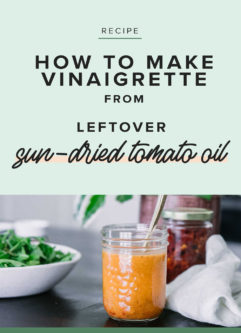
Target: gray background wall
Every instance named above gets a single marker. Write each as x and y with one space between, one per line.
58 209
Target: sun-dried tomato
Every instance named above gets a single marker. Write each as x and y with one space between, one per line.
186 248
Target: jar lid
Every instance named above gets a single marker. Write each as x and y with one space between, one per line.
188 213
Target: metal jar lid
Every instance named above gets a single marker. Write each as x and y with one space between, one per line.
188 214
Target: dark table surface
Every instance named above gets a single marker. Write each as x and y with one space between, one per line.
77 300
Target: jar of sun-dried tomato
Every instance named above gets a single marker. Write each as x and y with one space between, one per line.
188 229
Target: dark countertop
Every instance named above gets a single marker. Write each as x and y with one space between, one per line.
77 300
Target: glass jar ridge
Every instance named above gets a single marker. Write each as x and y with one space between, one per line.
133 237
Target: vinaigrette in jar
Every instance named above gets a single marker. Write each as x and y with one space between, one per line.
134 272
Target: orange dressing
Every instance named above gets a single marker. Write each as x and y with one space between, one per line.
134 285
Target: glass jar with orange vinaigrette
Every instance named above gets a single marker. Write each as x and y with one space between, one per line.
134 272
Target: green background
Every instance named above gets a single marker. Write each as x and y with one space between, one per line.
33 115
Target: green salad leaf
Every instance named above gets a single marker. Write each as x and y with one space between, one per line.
25 251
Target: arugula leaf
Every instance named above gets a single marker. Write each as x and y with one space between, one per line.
20 251
10 263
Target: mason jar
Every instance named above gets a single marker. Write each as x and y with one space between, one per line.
134 271
188 231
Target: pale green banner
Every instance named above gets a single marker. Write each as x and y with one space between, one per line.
35 115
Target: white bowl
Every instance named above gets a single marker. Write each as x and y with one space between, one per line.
4 226
31 280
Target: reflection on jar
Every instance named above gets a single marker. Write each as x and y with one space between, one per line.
134 276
